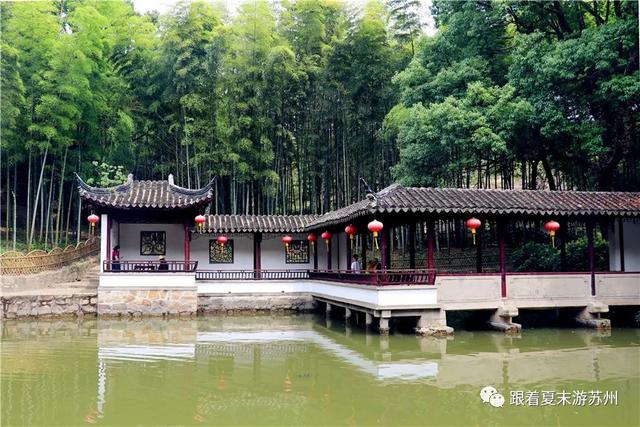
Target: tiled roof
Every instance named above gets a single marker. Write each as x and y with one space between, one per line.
397 198
145 194
257 223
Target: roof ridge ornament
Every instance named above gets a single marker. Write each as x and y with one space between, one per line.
207 189
83 186
369 193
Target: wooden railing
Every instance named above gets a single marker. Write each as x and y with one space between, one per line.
18 263
374 278
251 274
144 266
377 277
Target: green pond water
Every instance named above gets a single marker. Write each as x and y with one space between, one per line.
303 370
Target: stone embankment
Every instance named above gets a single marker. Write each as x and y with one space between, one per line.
69 291
48 305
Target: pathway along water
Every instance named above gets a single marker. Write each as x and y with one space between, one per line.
296 370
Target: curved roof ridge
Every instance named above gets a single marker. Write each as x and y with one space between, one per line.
495 201
159 194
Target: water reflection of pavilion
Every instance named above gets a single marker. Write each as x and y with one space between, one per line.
271 343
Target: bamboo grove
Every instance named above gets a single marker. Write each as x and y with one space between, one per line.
288 104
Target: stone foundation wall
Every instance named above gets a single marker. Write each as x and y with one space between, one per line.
145 302
208 303
47 305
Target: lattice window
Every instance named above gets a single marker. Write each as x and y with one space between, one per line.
153 243
297 252
220 254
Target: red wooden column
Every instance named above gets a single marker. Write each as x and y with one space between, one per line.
187 246
412 245
109 223
315 254
479 249
348 254
385 248
431 238
257 254
621 241
591 254
502 229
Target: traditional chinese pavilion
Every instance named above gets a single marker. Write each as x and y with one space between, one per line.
167 242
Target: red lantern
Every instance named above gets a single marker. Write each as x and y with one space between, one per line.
222 240
312 238
351 231
200 220
552 227
473 224
375 227
286 240
93 220
326 236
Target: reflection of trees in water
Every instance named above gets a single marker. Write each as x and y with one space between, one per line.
58 358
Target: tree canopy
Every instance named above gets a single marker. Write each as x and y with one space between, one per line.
289 104
508 88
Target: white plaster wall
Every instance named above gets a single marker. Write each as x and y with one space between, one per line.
104 227
342 241
272 248
130 241
115 230
614 247
242 252
322 252
273 257
631 230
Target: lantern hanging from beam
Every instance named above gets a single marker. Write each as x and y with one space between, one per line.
326 236
222 240
351 231
375 227
473 224
93 220
312 238
200 220
552 227
287 240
